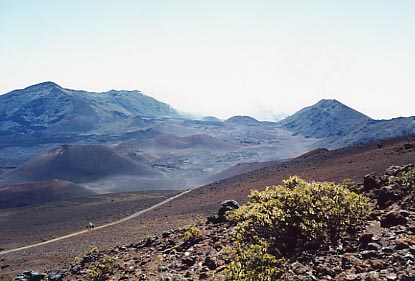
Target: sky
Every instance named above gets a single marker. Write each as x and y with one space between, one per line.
218 57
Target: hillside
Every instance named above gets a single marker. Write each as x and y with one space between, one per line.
351 162
242 168
78 164
337 125
327 118
241 120
48 106
199 140
12 196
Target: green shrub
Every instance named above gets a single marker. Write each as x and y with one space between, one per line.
253 263
281 218
408 179
191 234
98 269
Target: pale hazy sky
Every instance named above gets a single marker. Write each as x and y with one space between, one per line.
218 57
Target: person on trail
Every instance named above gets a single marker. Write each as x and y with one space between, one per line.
91 226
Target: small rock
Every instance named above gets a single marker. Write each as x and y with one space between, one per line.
349 260
166 234
408 146
163 268
55 275
400 245
373 276
387 250
3 266
352 276
374 246
369 254
203 275
299 268
366 238
392 276
211 262
410 257
189 261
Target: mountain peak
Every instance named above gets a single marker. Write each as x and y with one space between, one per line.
328 117
48 106
247 120
43 85
328 102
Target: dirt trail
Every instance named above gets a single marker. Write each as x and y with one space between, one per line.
139 213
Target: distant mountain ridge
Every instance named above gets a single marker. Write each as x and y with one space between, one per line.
324 119
172 151
48 106
337 125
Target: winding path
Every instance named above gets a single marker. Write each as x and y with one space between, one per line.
139 213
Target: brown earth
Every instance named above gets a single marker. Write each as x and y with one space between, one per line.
13 196
354 162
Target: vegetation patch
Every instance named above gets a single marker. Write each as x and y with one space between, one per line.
405 178
295 215
191 234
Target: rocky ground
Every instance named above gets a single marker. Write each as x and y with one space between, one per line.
382 249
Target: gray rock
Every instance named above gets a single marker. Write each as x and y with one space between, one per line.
388 195
226 206
55 275
396 170
299 268
29 275
369 254
352 277
391 276
371 181
374 246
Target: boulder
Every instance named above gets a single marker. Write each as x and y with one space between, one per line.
225 206
30 275
389 195
371 181
393 218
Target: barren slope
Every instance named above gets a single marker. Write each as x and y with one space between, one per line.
12 196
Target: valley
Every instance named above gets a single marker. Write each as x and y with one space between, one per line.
70 157
176 152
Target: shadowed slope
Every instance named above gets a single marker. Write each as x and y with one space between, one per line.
78 164
12 196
